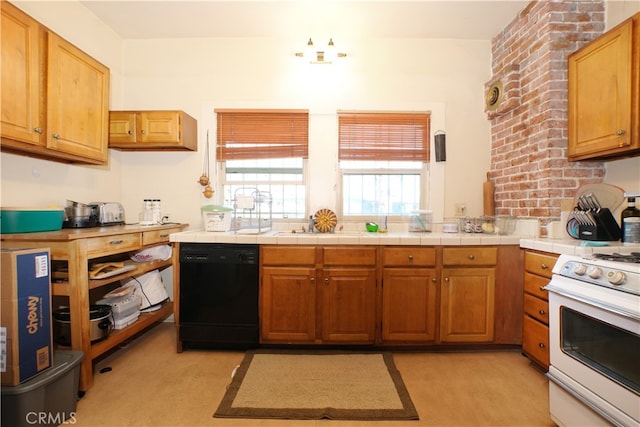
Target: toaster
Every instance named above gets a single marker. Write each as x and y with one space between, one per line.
108 213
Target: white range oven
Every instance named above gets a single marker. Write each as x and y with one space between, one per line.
594 340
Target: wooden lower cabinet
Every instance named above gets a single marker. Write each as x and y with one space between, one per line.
467 294
325 300
391 295
409 305
409 295
535 330
467 305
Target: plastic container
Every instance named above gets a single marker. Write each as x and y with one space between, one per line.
505 225
28 220
421 221
48 399
123 308
216 218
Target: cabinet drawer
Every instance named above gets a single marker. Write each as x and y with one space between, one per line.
157 236
540 264
288 255
349 255
535 341
536 308
533 285
470 256
409 256
108 245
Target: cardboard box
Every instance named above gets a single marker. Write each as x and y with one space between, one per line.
26 338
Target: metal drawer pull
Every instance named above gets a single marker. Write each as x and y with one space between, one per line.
541 345
620 132
143 131
544 266
312 280
472 256
410 257
326 280
446 279
542 288
433 279
116 242
37 130
56 136
130 132
542 312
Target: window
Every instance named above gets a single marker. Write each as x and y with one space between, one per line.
264 149
383 162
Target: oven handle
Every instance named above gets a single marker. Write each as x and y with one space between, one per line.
596 303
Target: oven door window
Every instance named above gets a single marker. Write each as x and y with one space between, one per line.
612 351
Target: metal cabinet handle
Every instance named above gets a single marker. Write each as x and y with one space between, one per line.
472 257
542 288
37 130
130 132
434 280
446 279
56 136
542 312
620 132
544 266
143 131
116 242
541 345
410 257
326 280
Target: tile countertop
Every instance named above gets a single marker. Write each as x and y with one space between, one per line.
346 238
557 246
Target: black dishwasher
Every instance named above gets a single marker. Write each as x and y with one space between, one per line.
219 295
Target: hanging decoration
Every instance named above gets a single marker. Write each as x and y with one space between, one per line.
204 178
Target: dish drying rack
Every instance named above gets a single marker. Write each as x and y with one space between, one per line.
252 212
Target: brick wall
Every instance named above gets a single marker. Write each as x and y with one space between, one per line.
529 125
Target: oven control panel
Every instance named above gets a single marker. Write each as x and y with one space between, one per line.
601 274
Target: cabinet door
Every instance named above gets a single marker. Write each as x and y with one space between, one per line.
21 118
600 96
409 305
77 102
348 305
122 128
288 305
159 127
467 305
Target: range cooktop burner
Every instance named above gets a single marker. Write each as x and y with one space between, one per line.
633 257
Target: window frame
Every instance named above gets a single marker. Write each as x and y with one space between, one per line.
424 171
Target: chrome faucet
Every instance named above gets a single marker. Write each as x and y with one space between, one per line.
311 225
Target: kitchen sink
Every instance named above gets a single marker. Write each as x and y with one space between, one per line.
320 235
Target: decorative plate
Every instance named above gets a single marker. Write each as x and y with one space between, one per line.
325 220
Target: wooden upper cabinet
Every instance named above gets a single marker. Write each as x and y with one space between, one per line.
604 95
152 130
55 97
77 102
21 66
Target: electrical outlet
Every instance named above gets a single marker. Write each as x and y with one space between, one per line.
461 209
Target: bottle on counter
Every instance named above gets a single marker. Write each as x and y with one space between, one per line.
630 221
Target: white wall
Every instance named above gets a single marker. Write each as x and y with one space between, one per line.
445 76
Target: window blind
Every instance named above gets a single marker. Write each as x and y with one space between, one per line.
262 134
383 136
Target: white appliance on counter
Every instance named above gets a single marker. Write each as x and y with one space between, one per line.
594 339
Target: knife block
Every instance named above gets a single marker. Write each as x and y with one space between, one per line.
606 228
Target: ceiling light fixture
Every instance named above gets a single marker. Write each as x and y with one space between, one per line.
326 56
